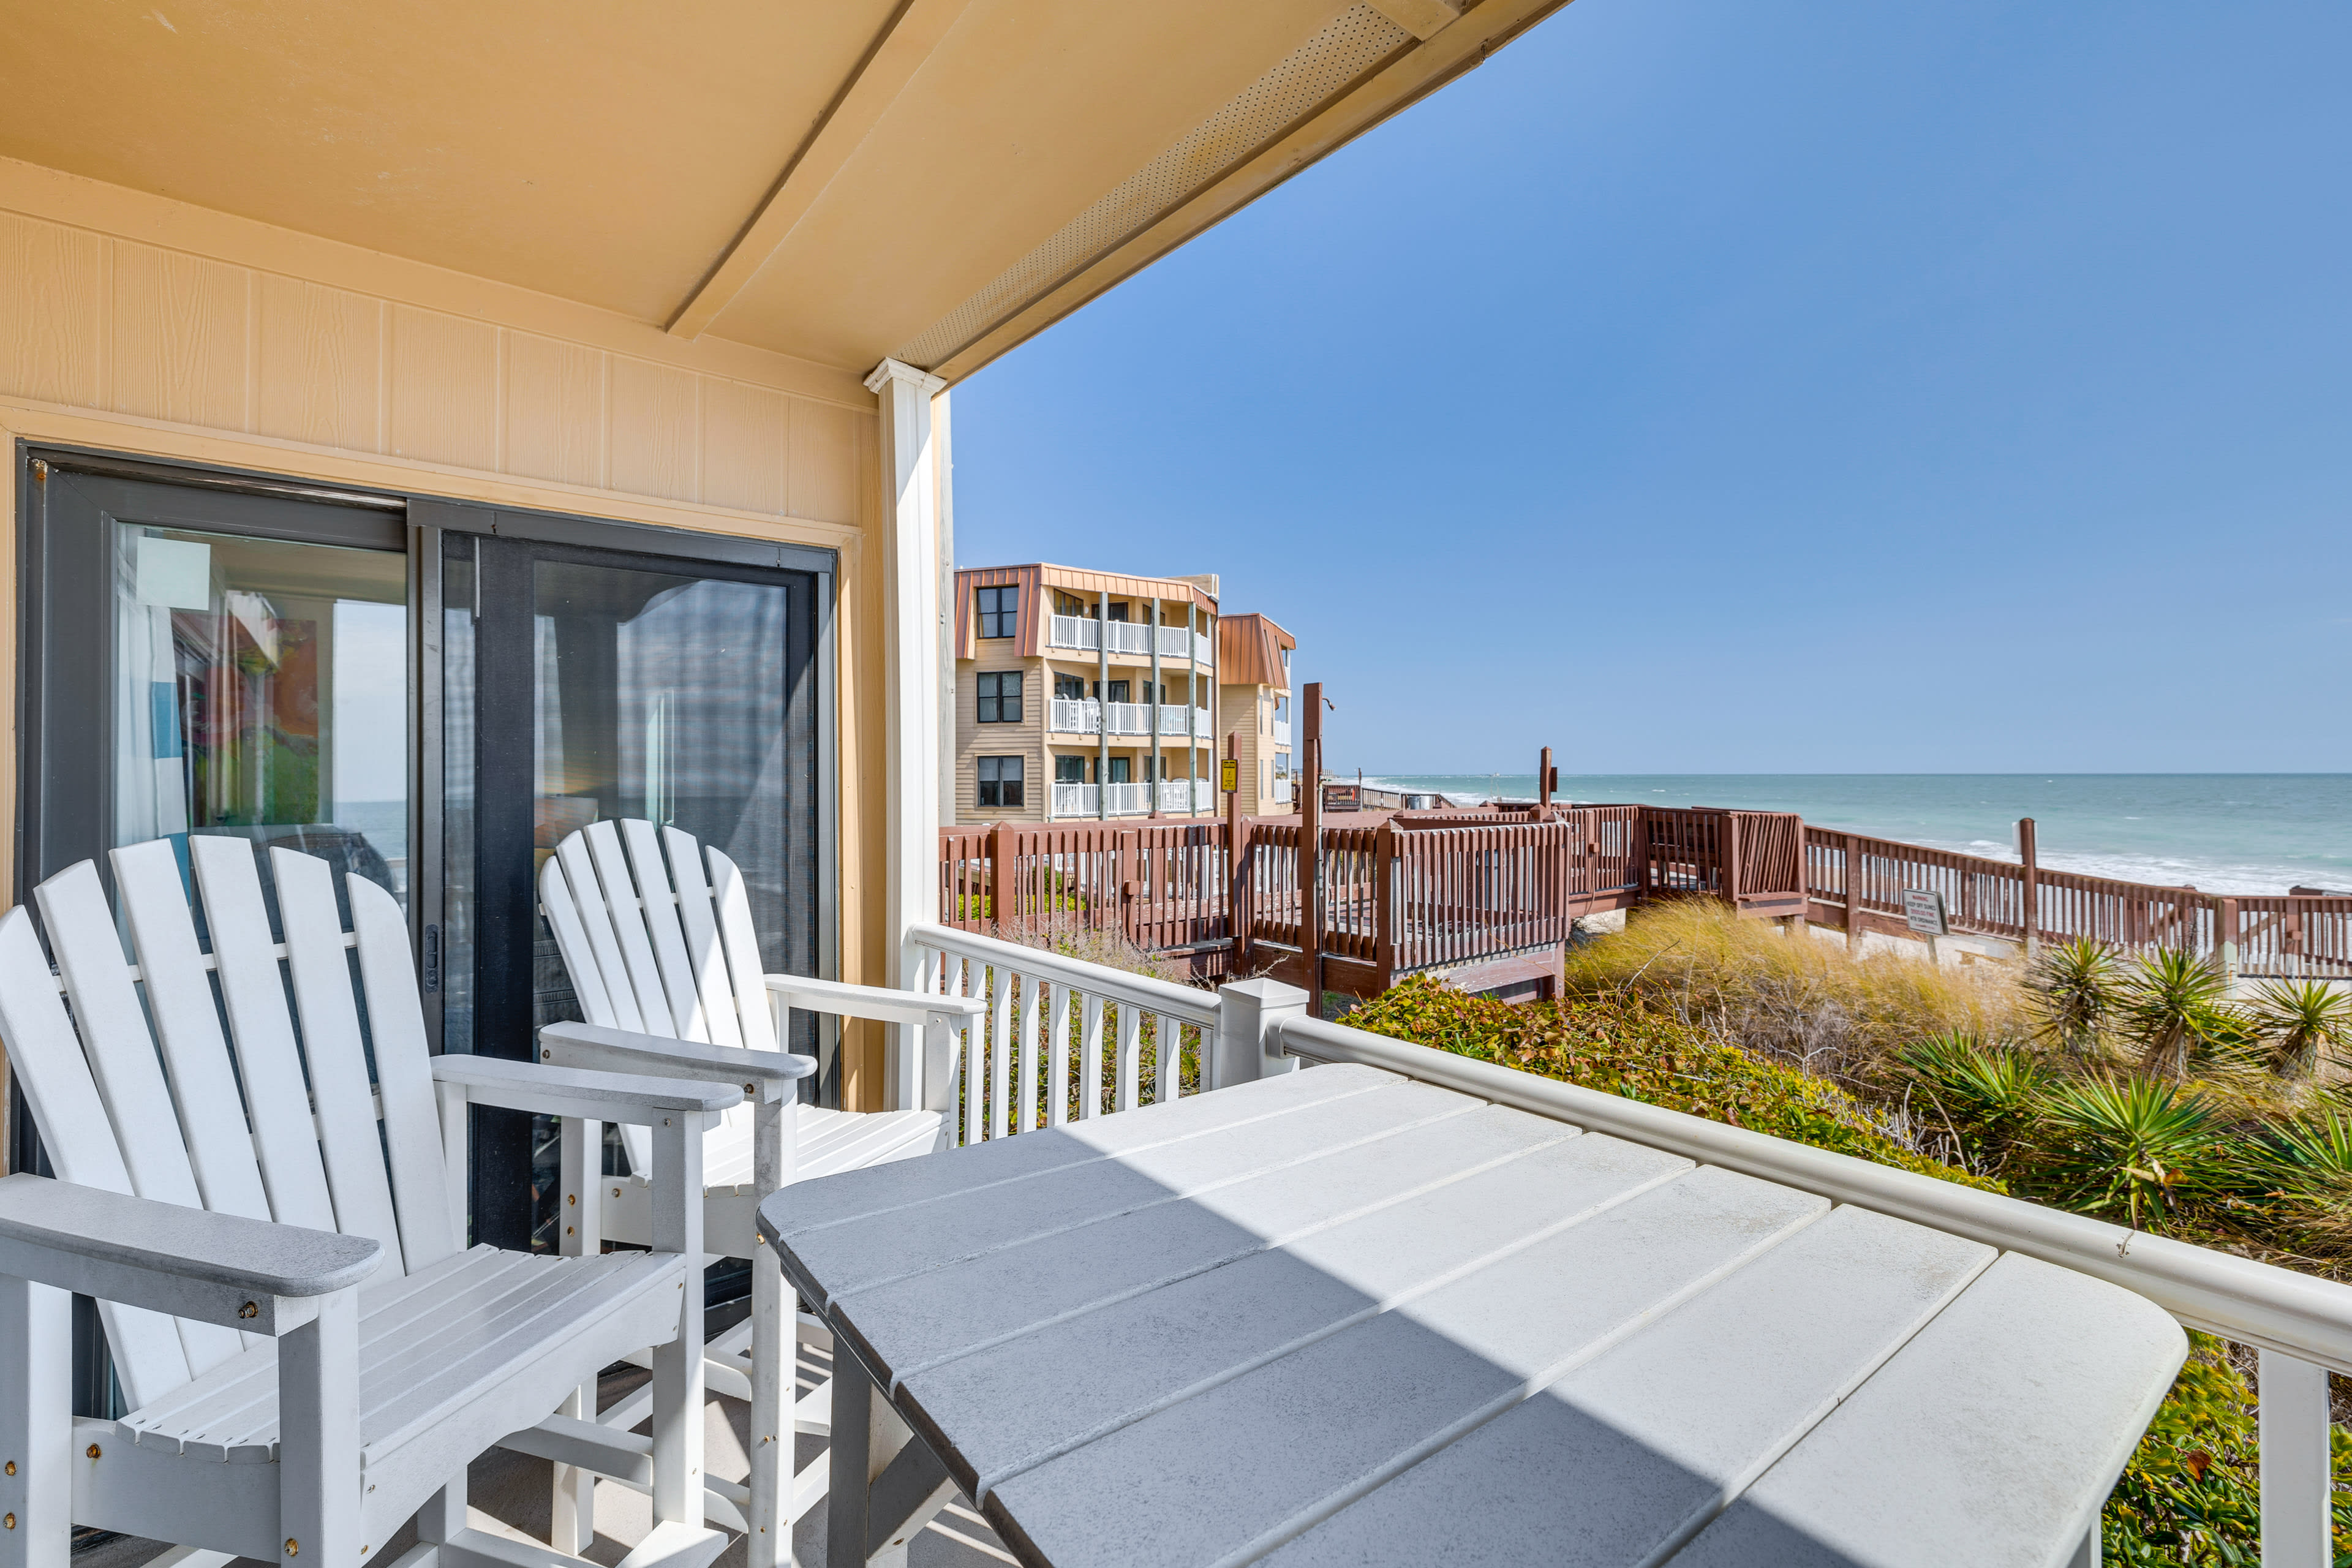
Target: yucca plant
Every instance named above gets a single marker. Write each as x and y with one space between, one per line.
2171 1002
1988 1098
2074 992
2136 1144
2302 1023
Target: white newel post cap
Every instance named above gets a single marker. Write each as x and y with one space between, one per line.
891 370
1247 1011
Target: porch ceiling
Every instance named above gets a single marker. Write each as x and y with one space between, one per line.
837 179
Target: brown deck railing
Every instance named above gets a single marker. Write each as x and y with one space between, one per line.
1491 896
2251 935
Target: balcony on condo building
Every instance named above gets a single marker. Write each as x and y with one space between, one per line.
1084 716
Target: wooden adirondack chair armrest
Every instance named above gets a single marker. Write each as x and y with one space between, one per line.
250 1274
765 1076
550 1090
876 1002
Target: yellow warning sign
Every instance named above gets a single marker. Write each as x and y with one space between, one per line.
1229 776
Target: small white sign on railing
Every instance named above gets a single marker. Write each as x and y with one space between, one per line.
1923 912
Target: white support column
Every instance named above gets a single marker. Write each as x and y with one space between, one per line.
912 635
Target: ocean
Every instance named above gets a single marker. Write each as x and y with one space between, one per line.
2223 833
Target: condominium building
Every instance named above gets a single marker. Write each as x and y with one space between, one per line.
1084 694
1253 706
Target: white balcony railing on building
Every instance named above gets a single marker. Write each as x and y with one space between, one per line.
1077 716
1280 792
1049 1049
1073 631
1085 632
1181 795
1184 795
1282 731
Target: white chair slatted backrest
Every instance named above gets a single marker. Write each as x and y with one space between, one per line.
697 914
655 946
109 1118
276 1101
330 1014
639 972
742 941
658 907
603 967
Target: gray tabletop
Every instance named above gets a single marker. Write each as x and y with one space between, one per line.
1337 1315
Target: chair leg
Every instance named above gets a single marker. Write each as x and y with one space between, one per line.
319 1429
571 1522
35 1423
773 1355
572 1527
677 1410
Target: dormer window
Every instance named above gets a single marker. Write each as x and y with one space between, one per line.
1000 611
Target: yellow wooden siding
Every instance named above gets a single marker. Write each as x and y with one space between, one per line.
1025 740
96 321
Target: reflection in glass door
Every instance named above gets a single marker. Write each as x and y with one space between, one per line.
261 692
660 696
586 685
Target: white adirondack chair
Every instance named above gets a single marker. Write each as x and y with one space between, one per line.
309 1351
665 961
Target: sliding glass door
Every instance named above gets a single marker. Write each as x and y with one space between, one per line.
583 685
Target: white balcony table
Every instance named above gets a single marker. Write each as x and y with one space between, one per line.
1339 1316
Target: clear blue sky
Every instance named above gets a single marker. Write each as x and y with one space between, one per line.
1706 387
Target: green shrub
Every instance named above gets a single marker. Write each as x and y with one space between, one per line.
1990 1099
1619 1046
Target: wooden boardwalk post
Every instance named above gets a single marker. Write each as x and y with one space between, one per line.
2031 913
1728 848
1853 894
1237 914
1001 897
1384 901
1310 848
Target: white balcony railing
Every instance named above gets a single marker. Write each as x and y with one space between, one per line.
1280 792
2301 1324
1085 633
1073 631
1084 716
1282 731
1185 795
1181 795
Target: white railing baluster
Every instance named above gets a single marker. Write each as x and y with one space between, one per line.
2293 1421
1131 1055
1000 1052
1090 1057
1058 1046
975 1055
1023 1052
1166 1059
1033 991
